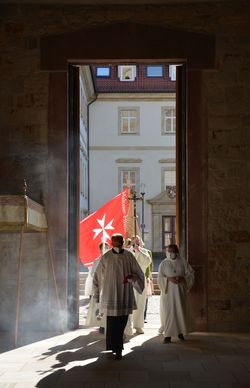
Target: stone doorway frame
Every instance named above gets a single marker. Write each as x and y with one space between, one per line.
142 44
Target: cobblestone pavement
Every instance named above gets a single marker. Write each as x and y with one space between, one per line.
153 318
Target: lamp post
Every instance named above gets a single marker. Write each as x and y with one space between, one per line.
143 187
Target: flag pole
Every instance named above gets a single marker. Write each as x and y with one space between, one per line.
134 198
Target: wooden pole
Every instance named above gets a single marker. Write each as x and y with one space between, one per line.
19 270
134 200
51 260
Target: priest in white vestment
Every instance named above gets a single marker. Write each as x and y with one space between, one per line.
103 247
175 278
93 319
144 260
116 275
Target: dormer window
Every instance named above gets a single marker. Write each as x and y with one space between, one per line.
102 71
127 73
172 72
155 71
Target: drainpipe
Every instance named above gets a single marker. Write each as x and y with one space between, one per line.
90 103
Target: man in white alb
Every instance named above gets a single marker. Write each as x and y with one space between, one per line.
103 248
175 278
144 260
93 319
116 275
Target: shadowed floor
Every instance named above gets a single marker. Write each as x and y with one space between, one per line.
78 359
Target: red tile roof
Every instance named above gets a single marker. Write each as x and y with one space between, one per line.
141 84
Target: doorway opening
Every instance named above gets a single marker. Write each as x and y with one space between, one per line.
126 116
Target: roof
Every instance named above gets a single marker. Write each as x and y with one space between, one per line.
141 83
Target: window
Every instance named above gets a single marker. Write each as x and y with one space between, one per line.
172 72
127 72
168 177
103 72
168 116
168 231
128 120
129 177
154 71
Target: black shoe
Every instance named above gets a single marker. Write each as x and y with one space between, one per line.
167 340
181 337
118 356
101 330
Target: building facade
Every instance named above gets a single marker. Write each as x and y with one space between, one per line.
86 96
132 140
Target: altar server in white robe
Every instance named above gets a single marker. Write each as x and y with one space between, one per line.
175 278
116 275
103 248
93 318
144 260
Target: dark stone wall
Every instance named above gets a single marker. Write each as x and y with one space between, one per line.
34 130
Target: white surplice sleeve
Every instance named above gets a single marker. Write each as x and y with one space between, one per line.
143 258
162 279
138 276
94 266
97 280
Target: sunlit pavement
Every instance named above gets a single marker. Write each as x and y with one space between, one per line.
153 318
78 359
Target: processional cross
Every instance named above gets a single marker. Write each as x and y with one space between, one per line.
134 198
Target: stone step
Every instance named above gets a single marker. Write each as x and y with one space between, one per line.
156 287
83 275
